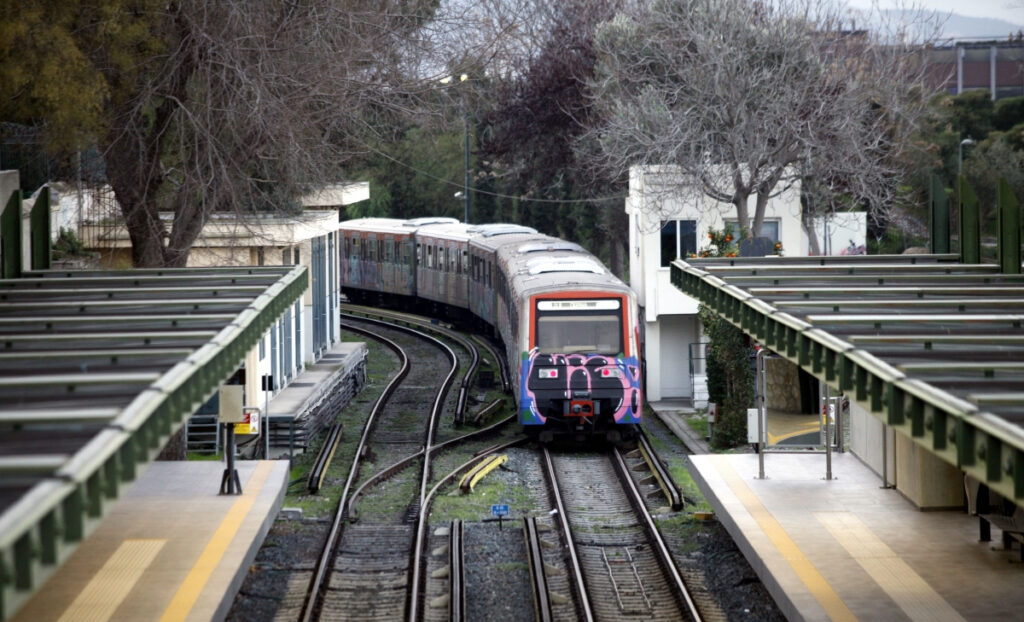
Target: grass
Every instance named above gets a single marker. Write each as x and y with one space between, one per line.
194 457
476 505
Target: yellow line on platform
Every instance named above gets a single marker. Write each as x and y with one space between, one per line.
912 593
197 577
816 584
108 588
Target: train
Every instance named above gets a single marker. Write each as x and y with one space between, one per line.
569 327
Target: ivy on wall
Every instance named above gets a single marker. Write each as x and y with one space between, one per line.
730 378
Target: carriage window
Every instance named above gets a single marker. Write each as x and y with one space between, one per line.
380 249
465 263
430 257
488 274
419 254
589 326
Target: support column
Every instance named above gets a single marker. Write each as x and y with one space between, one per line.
1009 229
970 227
10 232
938 201
39 221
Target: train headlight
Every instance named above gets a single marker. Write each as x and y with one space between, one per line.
611 372
547 374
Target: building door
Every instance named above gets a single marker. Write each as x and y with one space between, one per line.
677 332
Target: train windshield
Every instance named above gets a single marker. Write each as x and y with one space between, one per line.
579 326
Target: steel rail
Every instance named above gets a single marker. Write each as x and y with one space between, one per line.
570 545
506 384
323 563
421 525
660 549
486 410
661 475
538 576
323 458
456 573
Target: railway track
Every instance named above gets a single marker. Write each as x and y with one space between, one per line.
621 567
371 567
363 572
471 345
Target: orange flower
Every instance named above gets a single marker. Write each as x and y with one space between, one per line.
711 235
728 237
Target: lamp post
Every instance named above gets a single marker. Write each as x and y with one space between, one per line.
465 119
960 155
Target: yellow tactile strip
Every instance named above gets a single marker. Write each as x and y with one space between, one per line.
914 596
192 586
816 584
108 588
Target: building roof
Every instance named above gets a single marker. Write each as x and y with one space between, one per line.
97 369
926 344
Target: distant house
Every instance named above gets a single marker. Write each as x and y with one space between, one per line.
668 220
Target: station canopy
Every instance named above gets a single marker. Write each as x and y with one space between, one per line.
928 345
97 370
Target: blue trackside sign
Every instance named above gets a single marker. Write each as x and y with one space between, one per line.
499 510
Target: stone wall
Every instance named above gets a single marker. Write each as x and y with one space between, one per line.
783 382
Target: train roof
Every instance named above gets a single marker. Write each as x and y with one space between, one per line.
564 264
448 231
376 225
500 228
508 237
423 221
550 245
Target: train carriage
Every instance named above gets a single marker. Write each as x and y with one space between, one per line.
377 258
576 337
484 268
569 327
442 264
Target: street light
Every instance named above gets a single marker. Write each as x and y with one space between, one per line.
960 155
465 117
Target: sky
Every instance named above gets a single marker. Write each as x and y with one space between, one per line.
1009 10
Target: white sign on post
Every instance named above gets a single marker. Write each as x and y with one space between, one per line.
230 403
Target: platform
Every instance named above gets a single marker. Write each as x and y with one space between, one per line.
847 549
170 549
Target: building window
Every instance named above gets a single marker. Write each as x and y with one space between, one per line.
678 240
769 229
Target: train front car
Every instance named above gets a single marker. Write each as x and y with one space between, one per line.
579 363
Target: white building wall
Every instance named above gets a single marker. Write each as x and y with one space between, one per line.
671 325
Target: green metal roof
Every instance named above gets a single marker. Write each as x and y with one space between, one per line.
930 346
97 370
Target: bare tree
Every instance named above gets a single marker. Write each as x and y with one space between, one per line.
748 97
240 107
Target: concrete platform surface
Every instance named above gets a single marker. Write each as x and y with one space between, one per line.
171 548
847 549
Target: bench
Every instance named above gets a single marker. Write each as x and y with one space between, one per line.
1006 516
